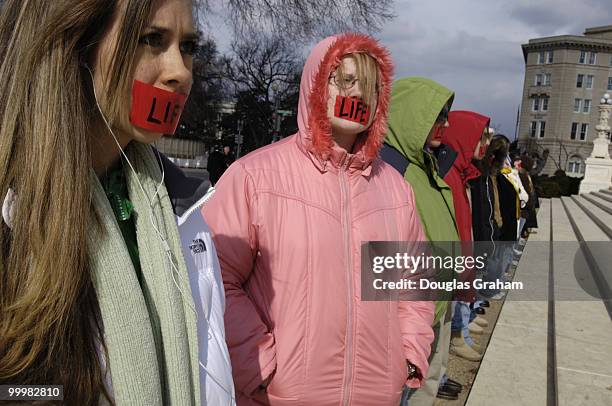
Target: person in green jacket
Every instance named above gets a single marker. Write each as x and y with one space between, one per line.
417 118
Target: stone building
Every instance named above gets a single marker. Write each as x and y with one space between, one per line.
565 78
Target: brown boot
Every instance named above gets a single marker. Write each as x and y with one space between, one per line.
459 348
475 328
481 321
477 348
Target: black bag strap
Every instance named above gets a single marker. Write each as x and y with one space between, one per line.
394 158
445 156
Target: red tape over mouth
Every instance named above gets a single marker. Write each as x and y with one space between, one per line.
154 109
352 109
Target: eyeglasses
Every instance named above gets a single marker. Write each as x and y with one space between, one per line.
443 116
347 83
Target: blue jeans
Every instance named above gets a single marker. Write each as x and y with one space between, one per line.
461 315
461 319
404 398
496 266
522 222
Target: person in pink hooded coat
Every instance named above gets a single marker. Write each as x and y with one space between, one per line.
288 221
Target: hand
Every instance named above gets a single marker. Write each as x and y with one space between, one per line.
413 371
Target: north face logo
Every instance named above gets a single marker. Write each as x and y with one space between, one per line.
197 246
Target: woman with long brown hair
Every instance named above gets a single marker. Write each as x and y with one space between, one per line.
96 288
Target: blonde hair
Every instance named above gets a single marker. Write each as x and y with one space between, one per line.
49 328
487 134
368 74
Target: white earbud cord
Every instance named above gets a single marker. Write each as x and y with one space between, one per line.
490 217
163 240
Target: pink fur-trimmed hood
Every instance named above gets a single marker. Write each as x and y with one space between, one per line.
314 127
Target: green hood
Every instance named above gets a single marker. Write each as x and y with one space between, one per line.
415 105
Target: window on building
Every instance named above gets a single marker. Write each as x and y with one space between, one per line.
547 77
542 129
544 103
533 128
579 80
574 131
610 60
538 79
549 57
589 81
540 58
575 165
609 82
582 57
584 131
586 107
536 104
577 105
592 58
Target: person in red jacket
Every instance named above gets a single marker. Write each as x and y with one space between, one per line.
467 138
289 220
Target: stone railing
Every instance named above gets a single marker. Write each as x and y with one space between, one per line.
179 148
184 153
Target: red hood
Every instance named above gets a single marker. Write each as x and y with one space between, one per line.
462 135
314 127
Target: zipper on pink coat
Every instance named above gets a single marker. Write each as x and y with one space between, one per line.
346 226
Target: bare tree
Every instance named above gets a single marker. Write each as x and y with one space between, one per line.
301 20
209 90
265 72
261 62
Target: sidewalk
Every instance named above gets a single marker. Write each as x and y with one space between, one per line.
556 351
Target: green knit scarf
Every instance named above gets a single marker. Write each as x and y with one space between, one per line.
150 332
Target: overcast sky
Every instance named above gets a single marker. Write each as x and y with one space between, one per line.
474 46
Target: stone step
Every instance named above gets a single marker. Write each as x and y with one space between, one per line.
519 338
561 224
588 228
603 196
596 272
602 204
564 344
582 327
600 215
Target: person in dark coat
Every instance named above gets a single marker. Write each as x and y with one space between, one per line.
494 205
484 203
218 162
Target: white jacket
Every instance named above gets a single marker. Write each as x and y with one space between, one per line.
216 384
